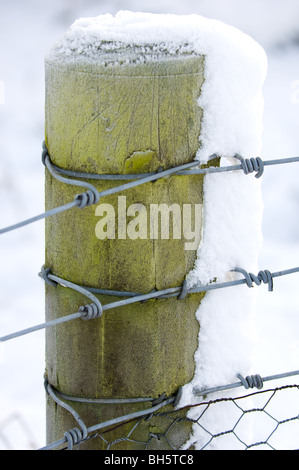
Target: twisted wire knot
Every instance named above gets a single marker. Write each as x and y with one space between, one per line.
263 276
91 311
73 437
249 165
90 197
251 381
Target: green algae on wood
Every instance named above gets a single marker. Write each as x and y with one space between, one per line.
121 119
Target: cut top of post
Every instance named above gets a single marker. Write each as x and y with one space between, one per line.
235 66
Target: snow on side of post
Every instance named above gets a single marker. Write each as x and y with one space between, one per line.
232 103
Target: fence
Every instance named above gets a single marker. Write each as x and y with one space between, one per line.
162 406
240 408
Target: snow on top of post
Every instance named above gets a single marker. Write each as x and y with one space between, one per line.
149 32
235 67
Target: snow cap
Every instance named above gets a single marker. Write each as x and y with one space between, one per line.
235 67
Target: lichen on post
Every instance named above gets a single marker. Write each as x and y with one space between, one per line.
121 111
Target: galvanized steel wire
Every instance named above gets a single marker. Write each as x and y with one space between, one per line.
95 309
75 436
92 195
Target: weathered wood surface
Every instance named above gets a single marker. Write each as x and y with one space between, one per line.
123 119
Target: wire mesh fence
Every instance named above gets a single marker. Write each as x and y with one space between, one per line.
263 420
266 419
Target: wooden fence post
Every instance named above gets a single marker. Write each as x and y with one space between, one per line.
121 118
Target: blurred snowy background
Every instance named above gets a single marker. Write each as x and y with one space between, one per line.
27 30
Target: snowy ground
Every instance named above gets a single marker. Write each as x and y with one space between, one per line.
27 30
